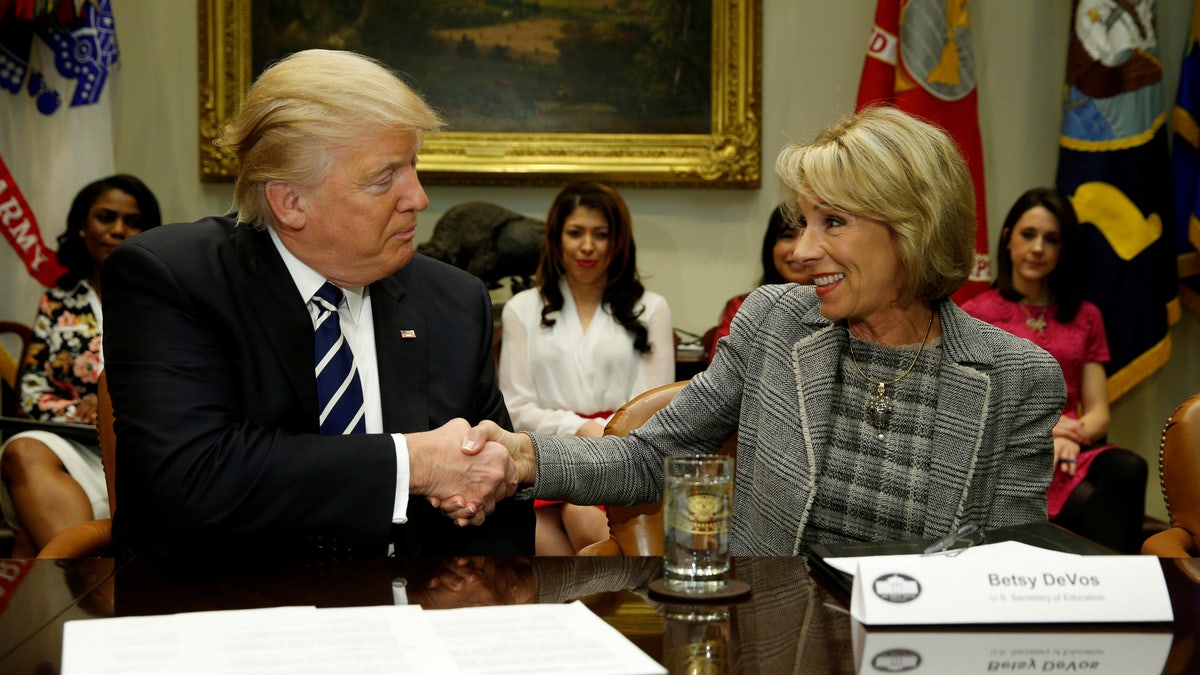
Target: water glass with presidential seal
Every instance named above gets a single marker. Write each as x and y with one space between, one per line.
696 639
697 510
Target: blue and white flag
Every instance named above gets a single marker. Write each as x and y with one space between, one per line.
1114 164
1185 167
56 135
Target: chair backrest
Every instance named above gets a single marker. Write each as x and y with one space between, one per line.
638 530
108 439
14 341
1179 465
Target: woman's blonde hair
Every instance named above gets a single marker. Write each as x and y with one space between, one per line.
909 174
306 105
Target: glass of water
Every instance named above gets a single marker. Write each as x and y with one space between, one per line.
697 510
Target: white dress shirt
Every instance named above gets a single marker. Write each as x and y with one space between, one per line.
358 327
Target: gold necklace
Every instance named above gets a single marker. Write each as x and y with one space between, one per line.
879 405
1038 324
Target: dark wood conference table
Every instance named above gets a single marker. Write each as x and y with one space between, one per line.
794 621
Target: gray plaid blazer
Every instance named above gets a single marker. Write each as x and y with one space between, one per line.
772 381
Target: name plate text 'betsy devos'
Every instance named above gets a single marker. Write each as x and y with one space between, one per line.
975 588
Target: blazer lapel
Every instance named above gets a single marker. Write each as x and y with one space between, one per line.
280 312
963 402
815 376
402 352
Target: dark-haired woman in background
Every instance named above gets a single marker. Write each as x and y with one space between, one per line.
1098 490
50 482
582 343
778 267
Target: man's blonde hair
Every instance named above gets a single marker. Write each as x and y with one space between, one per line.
306 105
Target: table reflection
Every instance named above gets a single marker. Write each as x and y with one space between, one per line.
792 622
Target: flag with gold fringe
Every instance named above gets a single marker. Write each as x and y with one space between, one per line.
1185 160
1115 166
920 59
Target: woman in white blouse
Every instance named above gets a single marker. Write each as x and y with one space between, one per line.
587 339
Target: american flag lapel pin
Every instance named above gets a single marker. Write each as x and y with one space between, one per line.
408 334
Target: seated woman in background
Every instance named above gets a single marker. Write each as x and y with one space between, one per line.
1097 491
582 343
777 268
868 406
49 482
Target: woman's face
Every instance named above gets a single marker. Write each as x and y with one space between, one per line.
785 243
853 261
585 247
1035 245
113 218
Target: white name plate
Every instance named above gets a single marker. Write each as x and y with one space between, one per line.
939 589
935 651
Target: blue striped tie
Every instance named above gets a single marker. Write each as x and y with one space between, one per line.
339 391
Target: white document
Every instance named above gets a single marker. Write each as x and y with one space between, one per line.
975 588
387 639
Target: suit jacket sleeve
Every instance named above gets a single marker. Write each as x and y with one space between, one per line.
219 449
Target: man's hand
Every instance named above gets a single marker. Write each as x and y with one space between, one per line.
476 582
441 468
486 437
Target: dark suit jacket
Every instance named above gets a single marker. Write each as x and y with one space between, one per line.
208 348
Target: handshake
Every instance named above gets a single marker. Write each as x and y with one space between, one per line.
465 470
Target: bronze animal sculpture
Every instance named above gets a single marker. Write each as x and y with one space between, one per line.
489 241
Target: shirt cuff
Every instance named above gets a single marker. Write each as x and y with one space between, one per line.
400 507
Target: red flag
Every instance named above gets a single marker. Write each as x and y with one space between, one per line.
20 228
920 60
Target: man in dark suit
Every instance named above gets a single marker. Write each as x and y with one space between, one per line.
211 355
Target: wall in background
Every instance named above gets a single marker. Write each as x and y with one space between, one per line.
699 247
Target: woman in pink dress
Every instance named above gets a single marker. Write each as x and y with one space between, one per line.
1098 490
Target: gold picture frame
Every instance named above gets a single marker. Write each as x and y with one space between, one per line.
730 156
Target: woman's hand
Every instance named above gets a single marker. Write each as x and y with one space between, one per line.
1066 453
591 429
1071 429
1069 439
86 410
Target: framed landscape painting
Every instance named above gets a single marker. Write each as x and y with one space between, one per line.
652 93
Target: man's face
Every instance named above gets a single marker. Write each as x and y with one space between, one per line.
359 223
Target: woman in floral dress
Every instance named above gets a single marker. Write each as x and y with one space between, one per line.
49 482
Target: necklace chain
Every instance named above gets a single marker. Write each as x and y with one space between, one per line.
879 405
1036 324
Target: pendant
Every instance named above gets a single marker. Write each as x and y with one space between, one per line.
1038 324
879 409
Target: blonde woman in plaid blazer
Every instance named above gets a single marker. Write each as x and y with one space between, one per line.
868 406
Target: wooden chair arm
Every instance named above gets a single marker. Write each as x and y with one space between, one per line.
1174 542
632 530
92 539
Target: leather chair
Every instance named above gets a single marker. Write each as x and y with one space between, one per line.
14 341
638 530
1179 474
94 538
10 365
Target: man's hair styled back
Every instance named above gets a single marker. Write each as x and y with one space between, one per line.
306 105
